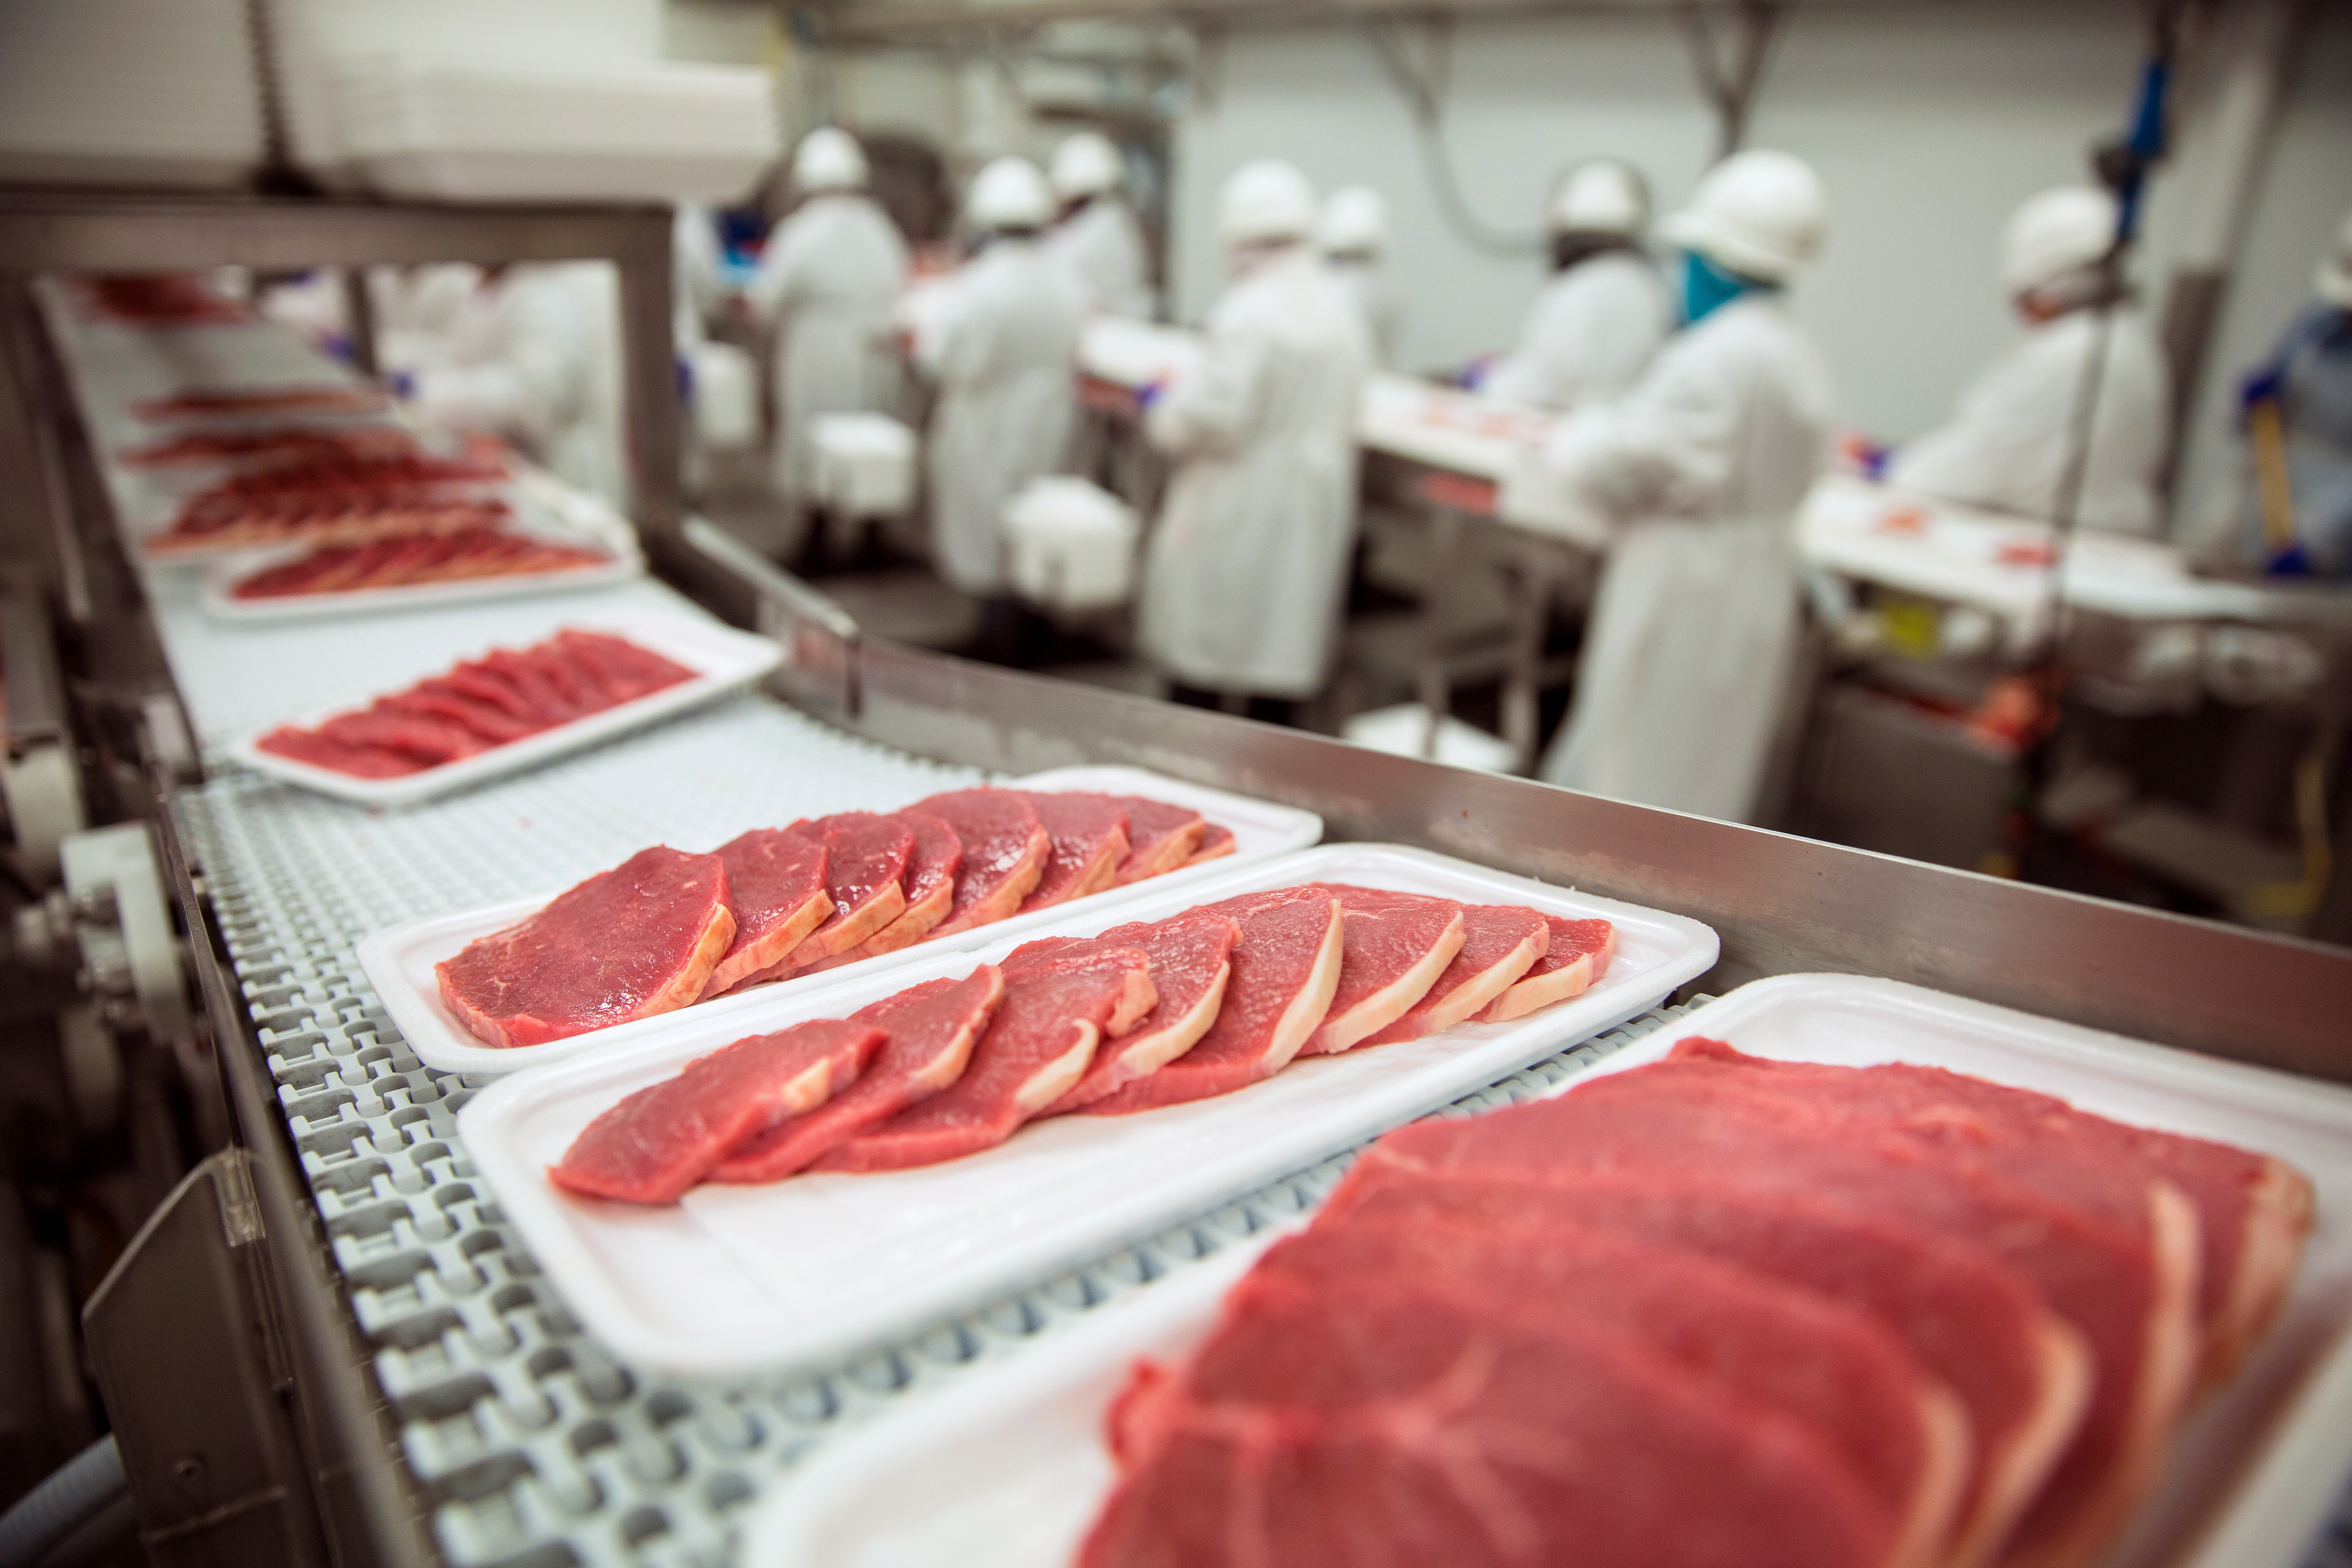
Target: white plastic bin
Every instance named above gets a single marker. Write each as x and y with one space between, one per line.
1071 544
865 465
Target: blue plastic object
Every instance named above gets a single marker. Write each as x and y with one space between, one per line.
1707 288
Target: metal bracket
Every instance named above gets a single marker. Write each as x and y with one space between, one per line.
820 639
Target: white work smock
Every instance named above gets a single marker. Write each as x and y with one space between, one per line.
2007 445
1003 356
542 367
829 281
1593 331
1367 284
1249 567
1695 626
1101 248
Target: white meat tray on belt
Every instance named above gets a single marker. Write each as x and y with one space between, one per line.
817 1266
1015 1467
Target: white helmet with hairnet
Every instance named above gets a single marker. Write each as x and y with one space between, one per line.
1600 196
1355 222
1009 193
1266 201
2056 234
1759 213
828 159
1085 164
2335 279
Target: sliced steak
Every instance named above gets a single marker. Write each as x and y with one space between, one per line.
931 1028
1005 850
1054 1014
776 887
662 1140
433 700
1216 843
1286 967
1394 947
431 741
1159 837
1505 941
1191 957
628 943
1577 956
625 670
1088 835
363 762
866 860
928 886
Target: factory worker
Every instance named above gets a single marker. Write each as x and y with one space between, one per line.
2305 388
1602 317
1351 234
536 363
2009 444
1097 240
828 280
1249 567
1700 470
1003 358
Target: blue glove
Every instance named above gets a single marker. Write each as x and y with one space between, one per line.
338 346
2263 386
2292 562
1149 392
403 385
685 380
1478 372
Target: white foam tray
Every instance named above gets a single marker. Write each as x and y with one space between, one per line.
722 658
399 960
815 1267
2250 1476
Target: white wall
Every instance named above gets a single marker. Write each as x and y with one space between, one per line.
1928 123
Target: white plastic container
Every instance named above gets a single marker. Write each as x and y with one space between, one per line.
865 465
150 92
1071 544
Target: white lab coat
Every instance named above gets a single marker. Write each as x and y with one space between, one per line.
436 314
1248 568
1101 247
1367 284
540 367
1695 626
1004 357
1594 330
829 280
2007 445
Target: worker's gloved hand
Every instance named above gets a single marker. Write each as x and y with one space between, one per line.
685 380
1149 392
1861 454
338 346
2262 386
1479 373
2292 562
403 385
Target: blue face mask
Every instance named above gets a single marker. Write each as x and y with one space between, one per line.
1707 288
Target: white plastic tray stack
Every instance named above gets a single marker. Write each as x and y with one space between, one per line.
128 91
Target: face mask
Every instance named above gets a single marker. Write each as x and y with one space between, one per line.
1707 288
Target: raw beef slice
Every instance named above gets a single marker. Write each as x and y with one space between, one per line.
1286 967
1038 1045
1005 850
929 885
1392 950
1577 956
654 1145
1505 941
1397 1428
1088 834
1191 957
866 860
2023 1375
1216 843
931 1028
627 943
1159 837
776 887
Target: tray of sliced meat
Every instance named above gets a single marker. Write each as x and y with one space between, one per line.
737 1192
865 888
416 571
511 709
1857 1273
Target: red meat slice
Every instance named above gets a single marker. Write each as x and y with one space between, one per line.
1399 1427
1054 1013
531 680
1577 956
577 686
1216 843
2023 1375
928 886
628 943
471 680
431 699
1395 946
1286 967
864 861
1005 850
1506 940
625 670
1159 837
1191 958
776 888
431 741
2129 1292
1834 1369
931 1028
360 761
662 1140
1088 834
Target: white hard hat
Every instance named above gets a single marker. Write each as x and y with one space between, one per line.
2059 232
1759 213
829 159
1601 197
1354 219
2335 279
1009 193
1085 164
1267 200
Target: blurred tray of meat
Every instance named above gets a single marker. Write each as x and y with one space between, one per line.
375 753
416 571
1018 1465
158 300
334 499
246 403
268 446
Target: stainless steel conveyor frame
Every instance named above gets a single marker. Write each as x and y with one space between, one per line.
1781 904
